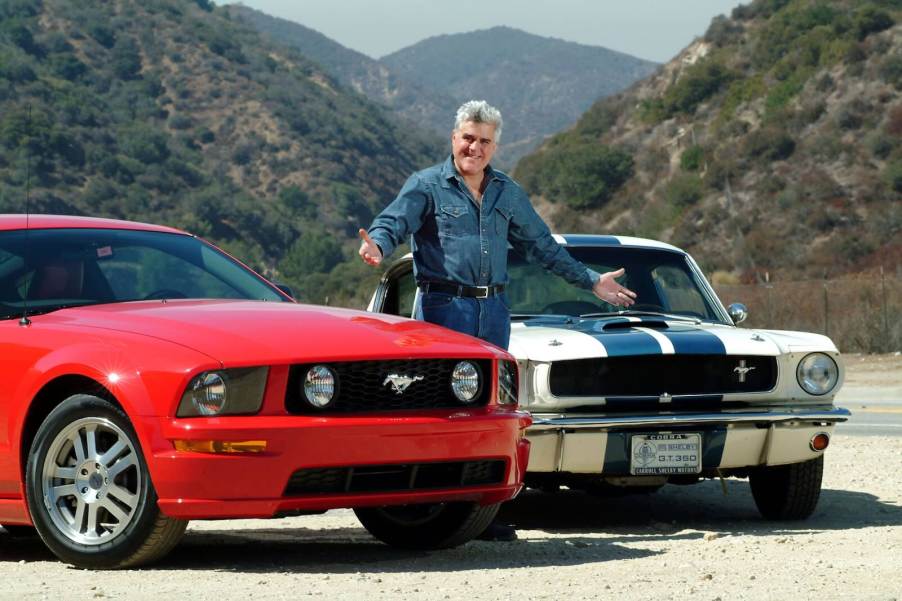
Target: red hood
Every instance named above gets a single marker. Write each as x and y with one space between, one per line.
250 332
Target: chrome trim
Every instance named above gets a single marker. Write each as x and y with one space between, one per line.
552 422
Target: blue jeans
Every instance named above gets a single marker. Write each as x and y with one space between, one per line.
486 318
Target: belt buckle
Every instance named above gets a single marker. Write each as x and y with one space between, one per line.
482 291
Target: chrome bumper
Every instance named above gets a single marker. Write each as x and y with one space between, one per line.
544 421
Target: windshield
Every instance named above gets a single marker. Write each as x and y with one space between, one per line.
50 269
663 281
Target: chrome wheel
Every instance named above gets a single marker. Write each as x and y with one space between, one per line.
91 481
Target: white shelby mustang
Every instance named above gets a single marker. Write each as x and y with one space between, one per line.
668 391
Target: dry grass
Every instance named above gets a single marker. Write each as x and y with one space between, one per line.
861 314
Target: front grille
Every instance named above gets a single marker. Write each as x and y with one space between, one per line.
395 477
361 386
654 375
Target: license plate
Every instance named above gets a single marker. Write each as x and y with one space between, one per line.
657 454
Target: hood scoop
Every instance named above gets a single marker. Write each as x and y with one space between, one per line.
626 325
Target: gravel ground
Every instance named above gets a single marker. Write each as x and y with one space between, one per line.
703 542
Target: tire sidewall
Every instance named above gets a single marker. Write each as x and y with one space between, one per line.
125 544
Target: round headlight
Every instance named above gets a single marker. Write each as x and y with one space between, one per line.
817 374
465 381
319 386
209 394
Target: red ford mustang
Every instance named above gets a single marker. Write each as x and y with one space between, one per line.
147 378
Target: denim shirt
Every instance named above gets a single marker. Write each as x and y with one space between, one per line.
456 239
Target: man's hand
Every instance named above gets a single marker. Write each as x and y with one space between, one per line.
608 290
369 250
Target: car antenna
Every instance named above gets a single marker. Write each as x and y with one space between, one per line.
24 321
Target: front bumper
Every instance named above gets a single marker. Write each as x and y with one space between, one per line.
593 444
211 486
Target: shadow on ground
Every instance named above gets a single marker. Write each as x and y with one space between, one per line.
570 522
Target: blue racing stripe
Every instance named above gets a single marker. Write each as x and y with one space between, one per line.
625 343
692 341
618 343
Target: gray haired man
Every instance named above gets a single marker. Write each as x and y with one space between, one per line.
461 215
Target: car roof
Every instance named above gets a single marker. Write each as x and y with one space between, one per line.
576 240
599 240
20 222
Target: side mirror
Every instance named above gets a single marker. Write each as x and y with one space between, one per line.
738 313
286 289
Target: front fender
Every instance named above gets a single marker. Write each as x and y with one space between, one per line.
146 376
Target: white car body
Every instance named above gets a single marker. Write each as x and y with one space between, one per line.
748 415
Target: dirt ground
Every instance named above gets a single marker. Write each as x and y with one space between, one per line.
703 542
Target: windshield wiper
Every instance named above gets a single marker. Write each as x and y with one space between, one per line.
32 311
631 313
556 316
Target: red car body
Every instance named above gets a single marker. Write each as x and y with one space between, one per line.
144 353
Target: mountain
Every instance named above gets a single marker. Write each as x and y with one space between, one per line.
540 84
409 101
773 145
171 111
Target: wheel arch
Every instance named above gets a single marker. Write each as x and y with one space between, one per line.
50 396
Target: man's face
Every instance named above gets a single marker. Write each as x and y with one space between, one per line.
473 146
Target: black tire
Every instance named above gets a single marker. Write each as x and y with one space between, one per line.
107 516
788 492
21 531
432 526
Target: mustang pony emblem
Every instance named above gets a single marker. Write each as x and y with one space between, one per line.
400 383
742 370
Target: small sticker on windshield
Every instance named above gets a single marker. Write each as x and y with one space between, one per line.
104 251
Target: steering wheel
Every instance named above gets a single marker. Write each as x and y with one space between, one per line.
570 307
165 293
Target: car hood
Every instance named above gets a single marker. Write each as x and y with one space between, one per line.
553 339
253 332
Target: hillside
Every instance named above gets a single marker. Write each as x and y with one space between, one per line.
416 104
773 144
542 85
170 111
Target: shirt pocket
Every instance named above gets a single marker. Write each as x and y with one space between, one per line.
452 220
502 216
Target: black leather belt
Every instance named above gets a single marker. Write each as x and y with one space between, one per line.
460 290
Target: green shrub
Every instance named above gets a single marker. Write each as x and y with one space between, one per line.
700 81
312 252
684 190
891 71
692 158
769 144
892 174
870 19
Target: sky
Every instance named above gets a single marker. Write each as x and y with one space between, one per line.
650 29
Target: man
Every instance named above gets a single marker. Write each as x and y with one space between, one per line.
462 214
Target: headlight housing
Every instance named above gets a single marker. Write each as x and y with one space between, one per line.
466 381
817 374
319 386
508 383
224 392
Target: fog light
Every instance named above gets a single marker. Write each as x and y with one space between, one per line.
465 381
319 386
819 441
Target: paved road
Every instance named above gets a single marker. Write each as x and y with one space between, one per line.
872 418
876 408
